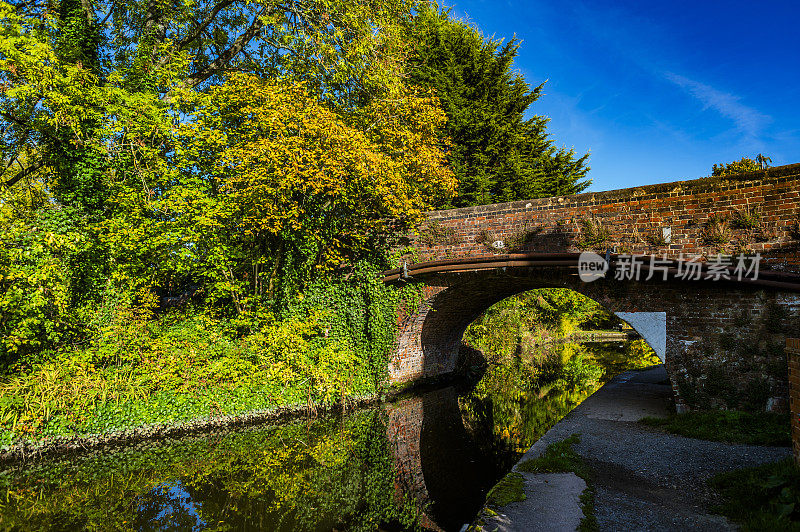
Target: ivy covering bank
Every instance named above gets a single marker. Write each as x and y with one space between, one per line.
331 343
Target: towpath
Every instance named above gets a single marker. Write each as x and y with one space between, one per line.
644 479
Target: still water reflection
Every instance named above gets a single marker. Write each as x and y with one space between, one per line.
423 462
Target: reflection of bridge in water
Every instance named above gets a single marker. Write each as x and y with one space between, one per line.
438 460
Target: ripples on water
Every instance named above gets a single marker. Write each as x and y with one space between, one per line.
423 462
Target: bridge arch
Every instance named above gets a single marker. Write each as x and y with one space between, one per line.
715 331
716 327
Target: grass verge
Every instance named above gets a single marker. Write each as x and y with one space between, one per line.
560 457
765 498
508 490
764 428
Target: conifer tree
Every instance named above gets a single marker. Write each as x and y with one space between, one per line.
497 154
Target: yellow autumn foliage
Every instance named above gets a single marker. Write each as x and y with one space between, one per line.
287 166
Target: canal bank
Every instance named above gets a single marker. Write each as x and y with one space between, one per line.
423 460
643 479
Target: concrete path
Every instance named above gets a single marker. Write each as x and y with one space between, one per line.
644 479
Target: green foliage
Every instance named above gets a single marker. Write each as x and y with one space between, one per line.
112 120
361 315
534 377
135 170
761 428
544 312
581 370
288 192
238 156
656 238
48 280
487 238
521 397
747 219
593 234
716 230
559 457
520 240
766 497
331 343
744 165
496 154
435 234
635 354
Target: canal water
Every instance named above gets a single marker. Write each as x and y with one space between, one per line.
425 461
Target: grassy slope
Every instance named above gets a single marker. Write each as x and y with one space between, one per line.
763 428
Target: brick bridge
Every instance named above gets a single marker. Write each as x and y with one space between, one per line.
722 341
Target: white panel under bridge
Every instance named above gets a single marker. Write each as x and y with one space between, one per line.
652 326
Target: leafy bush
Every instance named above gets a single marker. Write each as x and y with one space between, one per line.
747 219
766 497
46 282
593 234
716 230
435 234
743 165
332 342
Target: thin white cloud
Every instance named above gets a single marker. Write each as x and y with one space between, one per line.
747 120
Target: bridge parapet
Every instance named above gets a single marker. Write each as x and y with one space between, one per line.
757 212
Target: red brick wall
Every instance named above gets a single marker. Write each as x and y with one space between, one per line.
724 342
632 216
404 429
793 358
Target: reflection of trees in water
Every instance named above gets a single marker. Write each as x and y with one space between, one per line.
506 423
450 450
167 507
319 475
326 473
525 394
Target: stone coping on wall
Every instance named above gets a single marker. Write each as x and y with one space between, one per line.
640 193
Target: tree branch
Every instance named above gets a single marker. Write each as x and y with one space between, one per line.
225 57
88 11
35 167
11 118
202 26
108 15
150 18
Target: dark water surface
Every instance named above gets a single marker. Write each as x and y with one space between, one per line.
423 462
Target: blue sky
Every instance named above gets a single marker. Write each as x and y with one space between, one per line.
657 91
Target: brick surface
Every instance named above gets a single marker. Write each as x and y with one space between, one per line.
633 216
725 342
793 358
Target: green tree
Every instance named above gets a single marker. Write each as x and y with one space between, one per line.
293 190
69 67
96 99
496 153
